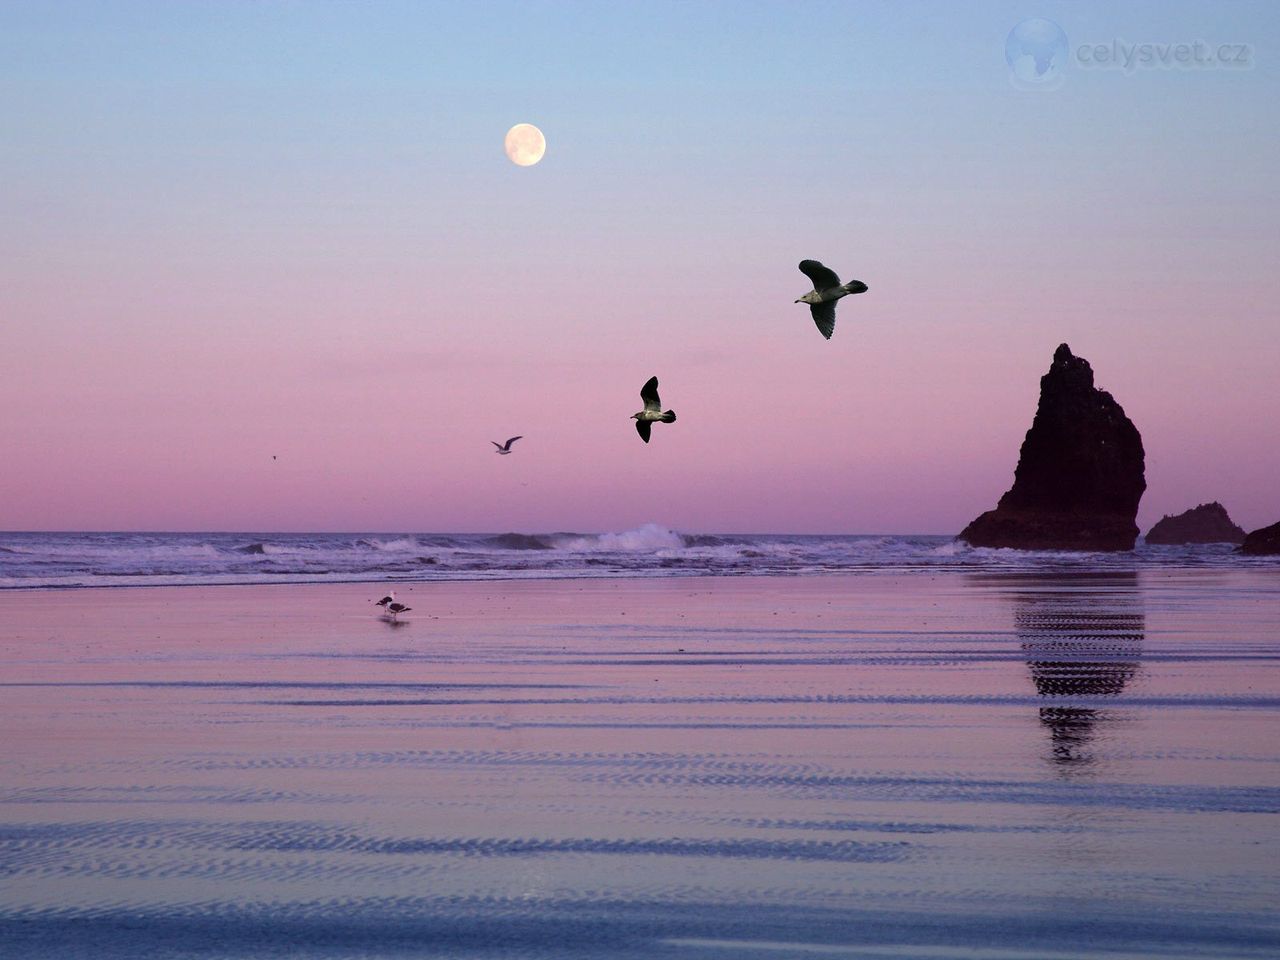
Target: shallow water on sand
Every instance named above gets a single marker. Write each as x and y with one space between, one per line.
925 765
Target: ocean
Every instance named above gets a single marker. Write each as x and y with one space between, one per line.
30 560
636 745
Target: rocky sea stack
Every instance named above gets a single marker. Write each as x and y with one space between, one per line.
1262 542
1207 523
1080 474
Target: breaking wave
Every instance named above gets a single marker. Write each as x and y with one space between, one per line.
646 539
127 559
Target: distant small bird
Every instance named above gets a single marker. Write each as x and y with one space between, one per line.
504 448
652 411
389 598
827 289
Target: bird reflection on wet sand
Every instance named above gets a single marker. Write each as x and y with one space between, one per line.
1082 639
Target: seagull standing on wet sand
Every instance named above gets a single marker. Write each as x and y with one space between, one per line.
652 412
827 289
392 606
504 448
397 608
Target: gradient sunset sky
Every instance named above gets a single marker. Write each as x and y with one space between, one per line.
232 231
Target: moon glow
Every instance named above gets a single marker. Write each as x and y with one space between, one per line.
525 144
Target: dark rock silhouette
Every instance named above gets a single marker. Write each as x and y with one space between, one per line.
517 541
1262 542
1207 523
1080 473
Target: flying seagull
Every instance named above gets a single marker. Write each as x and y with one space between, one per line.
504 448
652 410
827 289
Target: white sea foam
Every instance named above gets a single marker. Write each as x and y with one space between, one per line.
649 538
396 545
651 550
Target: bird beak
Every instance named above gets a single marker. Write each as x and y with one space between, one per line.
795 301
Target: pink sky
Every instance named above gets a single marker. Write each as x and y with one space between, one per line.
205 266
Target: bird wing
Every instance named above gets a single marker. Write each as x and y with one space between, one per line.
497 444
649 394
643 427
824 278
507 445
824 315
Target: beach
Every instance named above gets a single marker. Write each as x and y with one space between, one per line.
606 481
932 763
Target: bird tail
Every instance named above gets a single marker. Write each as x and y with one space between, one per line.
855 286
669 417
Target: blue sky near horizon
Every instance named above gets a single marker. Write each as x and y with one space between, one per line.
229 231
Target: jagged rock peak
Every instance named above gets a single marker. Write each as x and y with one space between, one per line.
1207 523
1067 364
1080 473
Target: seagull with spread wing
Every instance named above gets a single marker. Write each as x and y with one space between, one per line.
504 448
827 289
652 412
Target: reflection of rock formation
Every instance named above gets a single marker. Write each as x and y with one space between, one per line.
1082 638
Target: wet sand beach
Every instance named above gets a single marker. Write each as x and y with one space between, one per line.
893 765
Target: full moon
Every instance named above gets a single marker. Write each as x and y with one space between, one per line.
525 144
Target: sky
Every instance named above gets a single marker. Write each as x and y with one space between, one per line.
265 266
